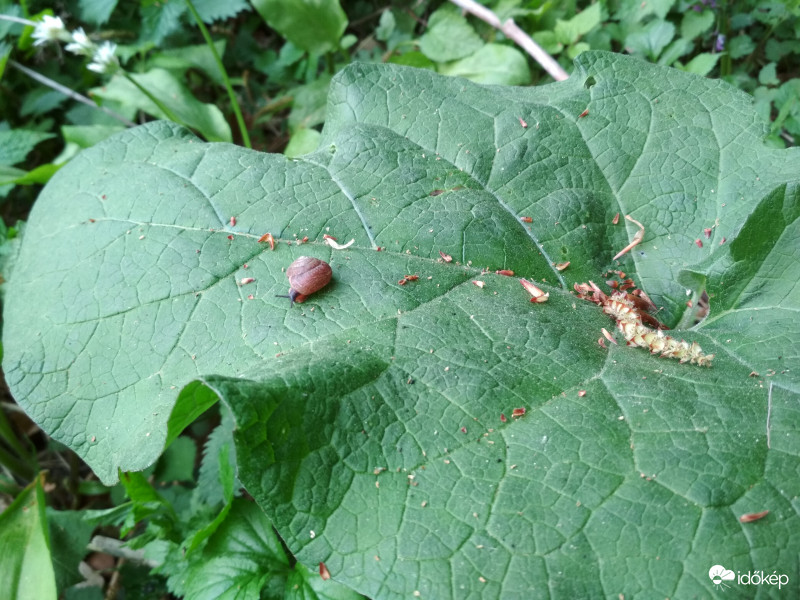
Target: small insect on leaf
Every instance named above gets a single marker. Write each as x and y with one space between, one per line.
698 242
523 123
615 220
445 257
323 572
537 295
750 517
562 266
707 232
637 238
246 280
233 221
526 219
517 412
503 418
267 237
581 393
506 272
411 277
583 114
602 343
230 237
436 192
402 282
480 284
325 236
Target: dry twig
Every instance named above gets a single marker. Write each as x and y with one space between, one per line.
513 32
637 238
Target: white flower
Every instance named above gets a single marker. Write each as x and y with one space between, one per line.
81 44
104 60
49 29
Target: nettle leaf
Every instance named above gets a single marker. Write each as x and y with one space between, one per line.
96 12
369 419
210 10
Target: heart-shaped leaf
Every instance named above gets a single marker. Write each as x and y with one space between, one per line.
374 422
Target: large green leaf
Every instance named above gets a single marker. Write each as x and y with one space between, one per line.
368 420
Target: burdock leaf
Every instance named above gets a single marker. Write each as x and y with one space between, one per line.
380 424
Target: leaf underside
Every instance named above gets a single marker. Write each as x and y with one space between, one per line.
369 420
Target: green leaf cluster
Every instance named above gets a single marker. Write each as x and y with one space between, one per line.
452 46
751 44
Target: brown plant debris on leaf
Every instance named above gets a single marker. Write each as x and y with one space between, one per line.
267 237
628 312
537 295
637 238
750 517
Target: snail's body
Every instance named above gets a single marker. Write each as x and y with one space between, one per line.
307 275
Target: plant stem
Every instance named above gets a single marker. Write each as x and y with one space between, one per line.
725 66
7 435
161 106
68 92
513 32
234 102
17 466
24 463
114 547
14 19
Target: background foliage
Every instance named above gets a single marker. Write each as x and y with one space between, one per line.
190 499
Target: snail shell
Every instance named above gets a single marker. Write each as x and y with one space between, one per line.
307 275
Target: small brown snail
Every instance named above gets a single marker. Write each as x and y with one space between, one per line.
306 276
